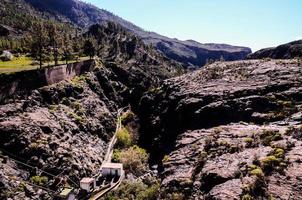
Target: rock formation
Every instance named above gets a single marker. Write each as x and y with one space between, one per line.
228 131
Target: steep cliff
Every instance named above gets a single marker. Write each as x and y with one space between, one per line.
228 131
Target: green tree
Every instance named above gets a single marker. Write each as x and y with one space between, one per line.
67 48
134 159
90 47
39 43
54 41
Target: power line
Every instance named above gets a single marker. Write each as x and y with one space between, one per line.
35 167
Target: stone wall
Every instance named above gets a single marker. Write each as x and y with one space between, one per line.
21 83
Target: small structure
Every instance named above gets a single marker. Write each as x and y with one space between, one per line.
67 194
6 56
112 169
88 184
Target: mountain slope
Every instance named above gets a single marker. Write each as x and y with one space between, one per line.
285 51
65 128
231 130
83 15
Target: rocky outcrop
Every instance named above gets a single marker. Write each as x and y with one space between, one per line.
285 51
62 129
228 131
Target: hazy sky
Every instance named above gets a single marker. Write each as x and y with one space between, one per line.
253 23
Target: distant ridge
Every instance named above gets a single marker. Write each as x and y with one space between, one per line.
285 51
83 15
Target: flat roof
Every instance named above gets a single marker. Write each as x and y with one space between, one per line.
66 192
112 165
87 180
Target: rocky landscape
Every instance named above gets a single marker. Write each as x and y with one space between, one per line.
229 131
64 128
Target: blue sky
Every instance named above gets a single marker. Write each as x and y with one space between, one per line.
253 23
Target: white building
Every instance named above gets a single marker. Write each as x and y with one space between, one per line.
6 56
88 184
67 194
112 169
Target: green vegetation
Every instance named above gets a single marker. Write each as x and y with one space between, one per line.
52 108
269 163
127 116
134 190
134 159
275 161
257 172
23 63
165 159
78 119
247 197
124 138
39 180
249 142
270 135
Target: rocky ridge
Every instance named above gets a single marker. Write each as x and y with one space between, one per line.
233 130
285 51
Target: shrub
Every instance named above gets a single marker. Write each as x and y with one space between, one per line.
177 196
279 153
165 159
52 109
134 190
151 193
134 159
116 155
124 138
78 119
269 163
127 116
39 180
268 136
76 105
249 142
247 197
257 172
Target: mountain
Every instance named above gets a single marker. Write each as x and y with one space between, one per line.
83 15
231 130
285 51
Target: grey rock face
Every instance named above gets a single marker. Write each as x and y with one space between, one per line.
230 130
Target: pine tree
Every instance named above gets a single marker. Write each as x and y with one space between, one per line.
67 48
54 41
39 44
90 47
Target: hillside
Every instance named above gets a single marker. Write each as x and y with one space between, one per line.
285 51
229 131
63 128
84 15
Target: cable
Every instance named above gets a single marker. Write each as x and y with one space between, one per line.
35 167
